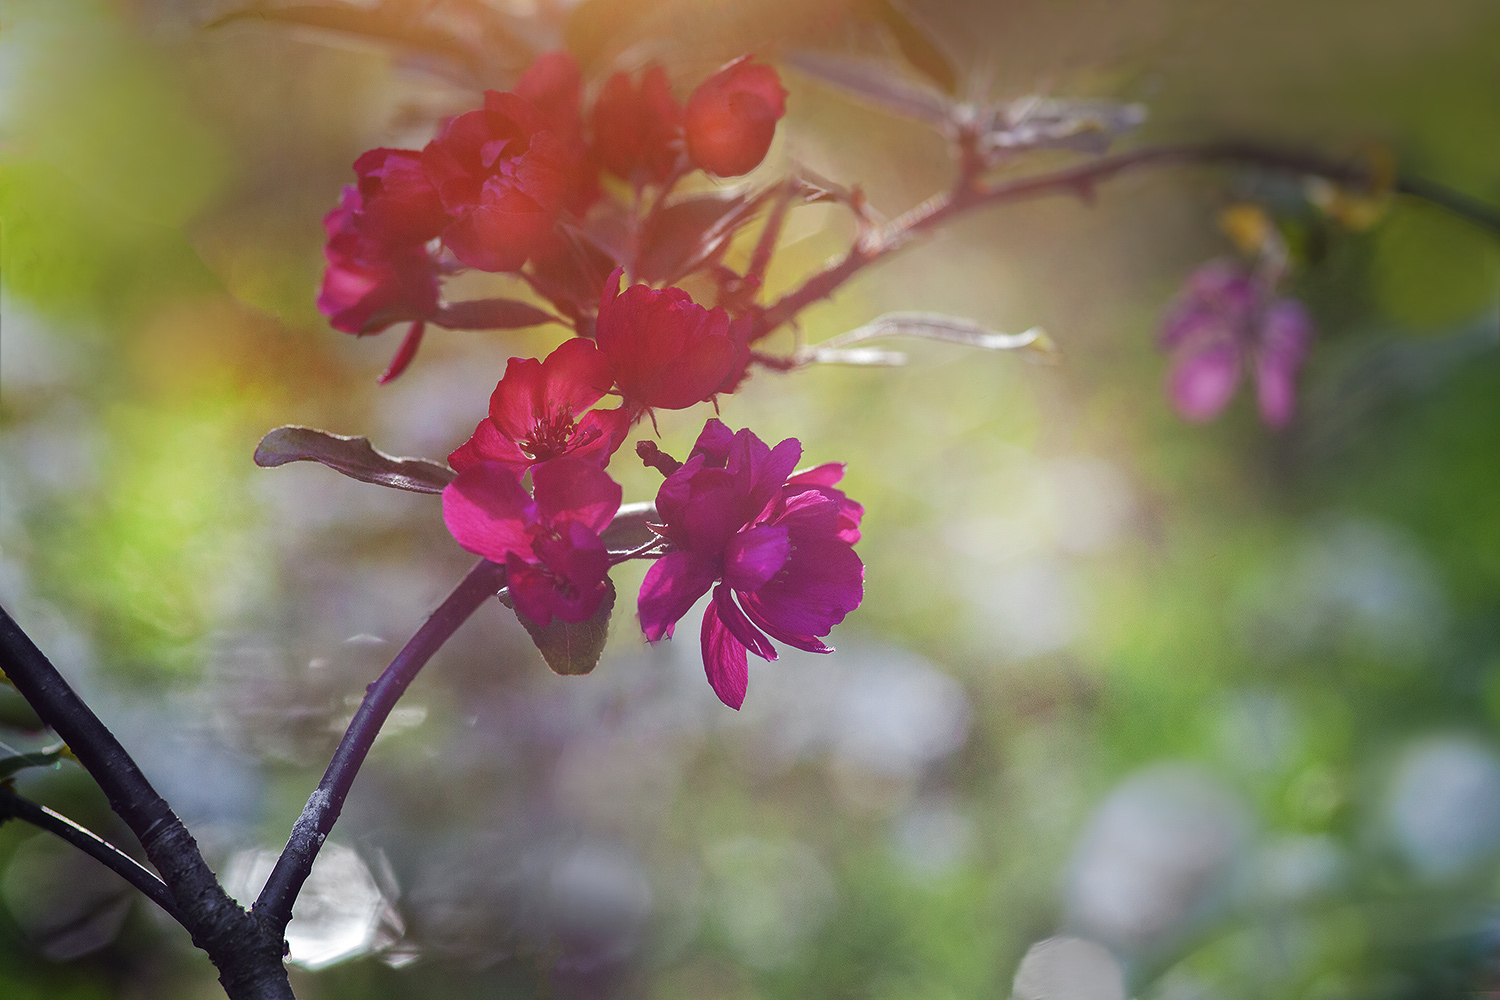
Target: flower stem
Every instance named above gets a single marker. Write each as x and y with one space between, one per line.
13 806
323 807
1081 180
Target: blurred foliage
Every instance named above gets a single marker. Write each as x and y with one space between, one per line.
1094 588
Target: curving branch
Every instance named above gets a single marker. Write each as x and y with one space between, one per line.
247 956
1081 179
274 905
13 806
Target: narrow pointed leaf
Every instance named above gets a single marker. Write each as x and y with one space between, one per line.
572 649
917 44
491 314
10 763
355 457
690 234
927 326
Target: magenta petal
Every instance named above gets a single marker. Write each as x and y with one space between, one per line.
822 582
713 443
724 660
827 474
531 591
1286 333
754 555
1275 392
574 489
671 586
770 475
810 643
488 512
1203 382
734 619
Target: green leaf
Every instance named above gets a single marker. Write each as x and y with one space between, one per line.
355 457
10 763
571 649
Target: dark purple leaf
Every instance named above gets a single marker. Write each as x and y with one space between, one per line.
569 648
690 234
355 457
491 314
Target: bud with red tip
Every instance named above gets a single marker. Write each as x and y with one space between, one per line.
730 119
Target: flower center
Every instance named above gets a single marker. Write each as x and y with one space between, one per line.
551 436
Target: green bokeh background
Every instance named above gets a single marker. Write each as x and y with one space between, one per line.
1289 616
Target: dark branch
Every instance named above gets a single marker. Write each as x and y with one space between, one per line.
322 810
248 958
1081 180
13 806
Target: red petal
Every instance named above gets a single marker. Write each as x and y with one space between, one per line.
404 353
488 512
570 488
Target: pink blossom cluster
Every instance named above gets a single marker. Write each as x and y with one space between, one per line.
518 186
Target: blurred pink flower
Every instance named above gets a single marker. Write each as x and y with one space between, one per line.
1223 322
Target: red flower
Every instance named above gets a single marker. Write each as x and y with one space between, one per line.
502 177
369 283
549 541
554 86
638 127
667 351
535 412
731 118
779 548
398 204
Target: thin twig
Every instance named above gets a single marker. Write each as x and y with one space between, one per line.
1081 180
13 806
274 905
248 958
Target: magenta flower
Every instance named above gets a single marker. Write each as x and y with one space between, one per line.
549 540
537 412
1223 322
777 545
